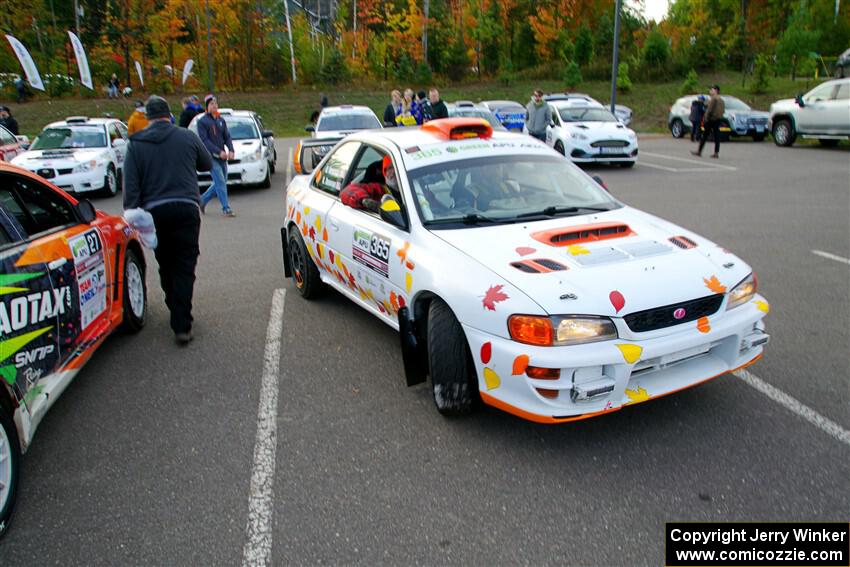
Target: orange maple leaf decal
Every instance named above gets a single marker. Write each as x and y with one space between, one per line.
493 296
714 284
402 254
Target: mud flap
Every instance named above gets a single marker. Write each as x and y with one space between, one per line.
284 237
412 349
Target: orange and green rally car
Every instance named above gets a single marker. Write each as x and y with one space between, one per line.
70 276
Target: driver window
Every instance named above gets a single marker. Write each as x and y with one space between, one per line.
114 134
843 92
36 208
330 178
823 92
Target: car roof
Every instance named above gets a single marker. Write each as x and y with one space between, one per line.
346 109
576 103
502 103
86 122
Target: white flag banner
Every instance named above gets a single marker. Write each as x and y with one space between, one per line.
27 63
187 69
82 60
139 71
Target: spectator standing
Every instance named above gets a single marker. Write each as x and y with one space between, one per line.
697 112
191 108
137 120
323 101
713 117
406 117
21 89
393 109
160 177
421 108
538 116
438 107
212 129
8 121
113 86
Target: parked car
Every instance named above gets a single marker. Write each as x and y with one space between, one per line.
79 154
571 304
511 114
738 120
71 276
336 122
623 113
10 145
822 113
468 109
586 132
842 66
253 145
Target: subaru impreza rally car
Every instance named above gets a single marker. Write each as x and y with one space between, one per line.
79 154
70 276
513 278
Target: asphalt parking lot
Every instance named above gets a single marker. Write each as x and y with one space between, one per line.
149 457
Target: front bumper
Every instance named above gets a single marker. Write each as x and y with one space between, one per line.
585 153
239 173
606 376
84 182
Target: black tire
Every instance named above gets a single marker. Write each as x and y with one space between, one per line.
627 164
783 133
454 383
305 274
759 137
10 458
134 294
677 128
267 182
559 147
273 164
827 143
110 182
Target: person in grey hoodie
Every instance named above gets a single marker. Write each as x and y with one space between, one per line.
160 177
538 116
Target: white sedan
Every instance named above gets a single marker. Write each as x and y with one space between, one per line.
589 133
513 278
79 154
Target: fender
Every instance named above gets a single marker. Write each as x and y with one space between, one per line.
413 351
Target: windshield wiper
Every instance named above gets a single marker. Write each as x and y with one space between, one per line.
552 211
472 218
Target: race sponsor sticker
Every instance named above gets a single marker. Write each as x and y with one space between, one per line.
372 250
87 250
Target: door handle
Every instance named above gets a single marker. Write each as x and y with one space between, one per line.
334 224
57 263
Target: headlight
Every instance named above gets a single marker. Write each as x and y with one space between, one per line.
85 166
560 330
255 155
743 292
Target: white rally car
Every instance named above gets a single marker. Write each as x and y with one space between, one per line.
587 132
514 278
254 162
79 154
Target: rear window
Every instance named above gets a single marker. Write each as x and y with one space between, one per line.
347 122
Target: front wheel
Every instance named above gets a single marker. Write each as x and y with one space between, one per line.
677 128
559 147
110 182
783 133
135 293
453 380
305 274
10 456
267 182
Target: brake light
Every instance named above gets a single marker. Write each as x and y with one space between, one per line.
531 330
539 373
459 128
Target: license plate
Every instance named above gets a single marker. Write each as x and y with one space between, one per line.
610 150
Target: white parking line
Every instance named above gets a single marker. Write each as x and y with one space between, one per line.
258 547
688 160
823 423
675 169
829 256
289 166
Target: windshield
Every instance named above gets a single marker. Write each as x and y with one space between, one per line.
477 113
733 103
584 114
347 122
71 138
241 128
504 189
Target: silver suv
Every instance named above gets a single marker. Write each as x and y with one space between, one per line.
822 113
738 120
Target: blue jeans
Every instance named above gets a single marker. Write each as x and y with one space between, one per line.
219 185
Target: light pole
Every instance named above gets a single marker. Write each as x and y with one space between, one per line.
209 48
616 56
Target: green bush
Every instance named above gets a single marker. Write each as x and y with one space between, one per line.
761 75
457 63
335 69
403 70
656 52
690 84
584 46
624 83
423 75
572 75
507 77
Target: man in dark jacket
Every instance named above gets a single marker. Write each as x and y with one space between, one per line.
697 112
191 108
438 107
212 129
160 177
7 121
713 119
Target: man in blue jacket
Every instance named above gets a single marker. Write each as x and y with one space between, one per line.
212 129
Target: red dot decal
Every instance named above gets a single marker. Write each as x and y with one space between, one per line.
486 352
617 300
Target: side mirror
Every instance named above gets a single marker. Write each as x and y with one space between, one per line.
600 182
310 129
799 100
391 212
551 124
85 211
119 143
268 134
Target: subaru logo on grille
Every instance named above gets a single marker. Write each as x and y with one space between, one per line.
679 313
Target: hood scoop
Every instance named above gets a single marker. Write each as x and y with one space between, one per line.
573 235
539 266
683 242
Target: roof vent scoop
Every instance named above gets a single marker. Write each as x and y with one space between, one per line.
569 236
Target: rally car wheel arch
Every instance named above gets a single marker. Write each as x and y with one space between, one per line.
10 456
559 147
305 274
135 292
454 383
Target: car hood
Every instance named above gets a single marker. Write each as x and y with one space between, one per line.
748 114
784 103
244 148
58 156
598 128
640 266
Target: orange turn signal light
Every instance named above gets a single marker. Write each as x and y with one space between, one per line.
531 330
539 373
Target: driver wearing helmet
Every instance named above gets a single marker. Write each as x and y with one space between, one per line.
368 195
